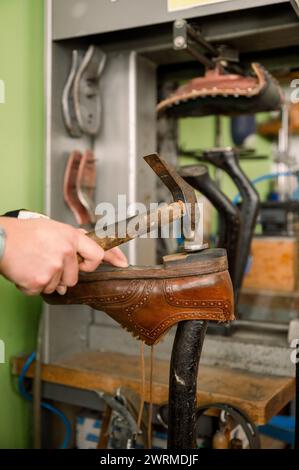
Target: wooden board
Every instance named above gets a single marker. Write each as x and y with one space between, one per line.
274 264
270 129
261 397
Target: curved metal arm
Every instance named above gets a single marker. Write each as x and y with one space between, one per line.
227 160
229 238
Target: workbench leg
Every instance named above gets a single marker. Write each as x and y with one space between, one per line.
185 357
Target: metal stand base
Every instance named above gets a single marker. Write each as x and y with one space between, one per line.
184 363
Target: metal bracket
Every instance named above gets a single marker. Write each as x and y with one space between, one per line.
188 37
86 91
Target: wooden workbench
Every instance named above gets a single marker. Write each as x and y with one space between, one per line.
260 396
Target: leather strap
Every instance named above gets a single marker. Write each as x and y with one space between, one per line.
142 386
150 410
86 184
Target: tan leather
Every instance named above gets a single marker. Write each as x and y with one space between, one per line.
86 184
218 92
70 189
147 301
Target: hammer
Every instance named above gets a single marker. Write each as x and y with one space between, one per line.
185 206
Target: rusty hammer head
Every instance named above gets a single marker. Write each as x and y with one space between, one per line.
181 191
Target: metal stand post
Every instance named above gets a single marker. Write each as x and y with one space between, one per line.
185 358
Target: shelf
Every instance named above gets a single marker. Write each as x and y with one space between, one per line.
260 397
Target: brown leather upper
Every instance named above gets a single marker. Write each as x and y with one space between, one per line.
148 301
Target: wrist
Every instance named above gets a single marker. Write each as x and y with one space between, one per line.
5 223
2 242
9 226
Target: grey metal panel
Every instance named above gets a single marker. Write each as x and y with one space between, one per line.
101 318
128 132
83 17
146 143
65 327
107 338
66 331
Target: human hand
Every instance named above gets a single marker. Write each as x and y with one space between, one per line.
40 255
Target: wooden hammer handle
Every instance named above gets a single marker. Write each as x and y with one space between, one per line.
146 223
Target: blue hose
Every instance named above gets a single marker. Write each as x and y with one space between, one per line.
44 405
259 179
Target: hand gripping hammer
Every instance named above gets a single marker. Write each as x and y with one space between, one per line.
185 206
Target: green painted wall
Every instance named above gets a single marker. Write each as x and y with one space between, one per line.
21 185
